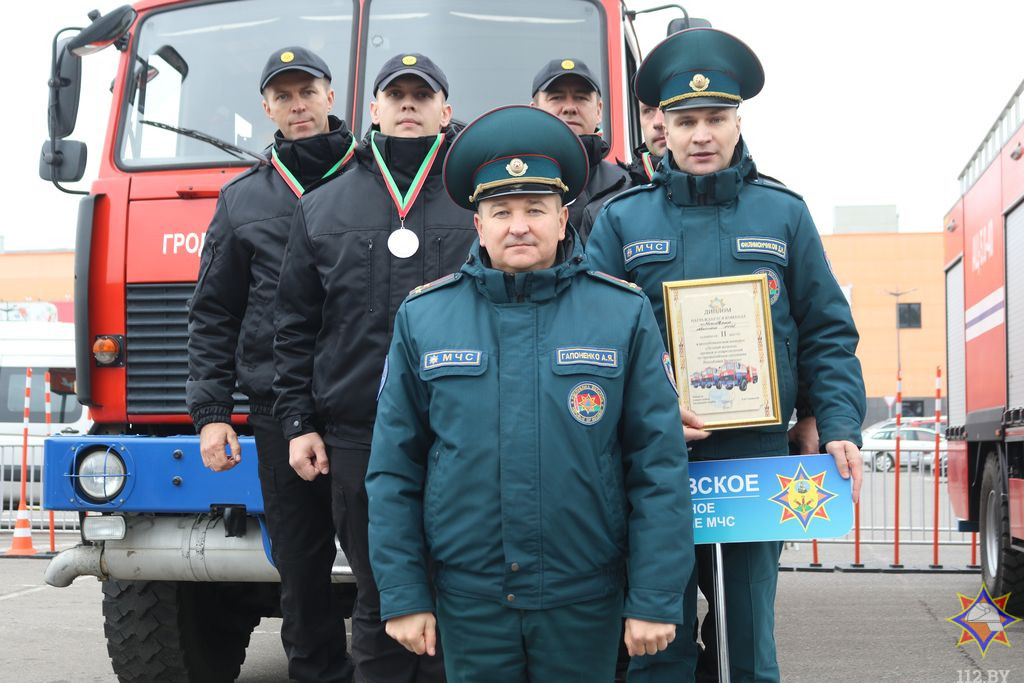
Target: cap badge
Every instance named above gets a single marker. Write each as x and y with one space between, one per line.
408 60
516 168
287 56
568 64
700 82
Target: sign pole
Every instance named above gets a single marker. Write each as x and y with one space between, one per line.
721 629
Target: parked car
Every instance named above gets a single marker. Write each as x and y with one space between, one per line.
917 447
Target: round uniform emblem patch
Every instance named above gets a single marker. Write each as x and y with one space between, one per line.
287 56
587 403
774 287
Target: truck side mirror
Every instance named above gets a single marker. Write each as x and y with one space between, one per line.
65 88
62 160
103 31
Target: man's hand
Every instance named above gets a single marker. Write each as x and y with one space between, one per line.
693 426
416 632
804 435
647 637
849 462
308 456
218 444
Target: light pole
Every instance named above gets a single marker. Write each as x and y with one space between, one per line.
898 294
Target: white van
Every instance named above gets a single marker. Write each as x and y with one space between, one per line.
42 346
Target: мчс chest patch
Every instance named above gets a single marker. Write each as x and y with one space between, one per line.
450 358
635 250
585 355
587 403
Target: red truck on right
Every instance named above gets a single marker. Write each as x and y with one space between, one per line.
984 266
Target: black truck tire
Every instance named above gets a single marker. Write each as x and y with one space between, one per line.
177 632
1002 567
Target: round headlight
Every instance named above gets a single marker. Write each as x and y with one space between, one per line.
101 475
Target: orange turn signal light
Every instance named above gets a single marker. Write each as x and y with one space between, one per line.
106 350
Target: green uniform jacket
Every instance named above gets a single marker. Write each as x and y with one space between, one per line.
685 227
528 441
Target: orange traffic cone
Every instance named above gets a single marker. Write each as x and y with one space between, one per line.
21 543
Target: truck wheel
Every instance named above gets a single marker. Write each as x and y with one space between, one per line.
176 631
718 385
1002 567
743 385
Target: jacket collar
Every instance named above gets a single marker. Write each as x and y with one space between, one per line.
721 187
531 287
596 147
309 158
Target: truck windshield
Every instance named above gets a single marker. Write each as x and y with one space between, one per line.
198 66
490 50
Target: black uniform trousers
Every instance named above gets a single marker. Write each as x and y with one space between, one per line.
298 515
378 658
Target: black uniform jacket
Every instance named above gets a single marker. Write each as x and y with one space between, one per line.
341 287
606 179
230 331
638 175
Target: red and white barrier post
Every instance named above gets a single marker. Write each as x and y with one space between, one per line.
899 422
936 467
21 542
49 432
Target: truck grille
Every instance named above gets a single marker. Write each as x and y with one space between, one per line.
157 353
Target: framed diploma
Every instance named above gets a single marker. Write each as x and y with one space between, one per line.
720 338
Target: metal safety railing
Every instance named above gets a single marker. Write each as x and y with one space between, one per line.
906 503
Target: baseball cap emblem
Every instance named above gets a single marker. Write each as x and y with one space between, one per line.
700 82
408 60
516 168
568 64
287 56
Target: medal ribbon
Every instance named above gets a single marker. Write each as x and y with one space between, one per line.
404 204
648 166
293 182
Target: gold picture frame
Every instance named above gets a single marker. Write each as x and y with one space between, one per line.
720 339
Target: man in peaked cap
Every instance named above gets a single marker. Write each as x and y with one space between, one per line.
708 213
530 481
566 88
229 343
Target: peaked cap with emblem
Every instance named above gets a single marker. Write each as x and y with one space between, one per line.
699 67
557 68
515 149
293 59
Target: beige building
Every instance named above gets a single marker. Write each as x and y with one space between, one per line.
31 281
873 268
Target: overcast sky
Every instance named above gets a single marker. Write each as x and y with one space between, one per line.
867 102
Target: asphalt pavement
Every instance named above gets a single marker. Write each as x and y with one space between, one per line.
831 626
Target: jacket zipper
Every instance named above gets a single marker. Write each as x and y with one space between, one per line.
369 274
439 265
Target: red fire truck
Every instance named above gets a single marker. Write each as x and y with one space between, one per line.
984 252
157 528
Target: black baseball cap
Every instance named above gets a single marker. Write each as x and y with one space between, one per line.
294 59
415 64
557 68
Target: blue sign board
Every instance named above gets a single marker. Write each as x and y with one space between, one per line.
769 499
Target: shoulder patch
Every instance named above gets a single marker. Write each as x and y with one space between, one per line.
611 279
436 284
766 181
630 192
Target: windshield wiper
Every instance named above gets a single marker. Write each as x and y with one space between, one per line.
231 149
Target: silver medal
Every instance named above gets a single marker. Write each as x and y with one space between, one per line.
403 243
